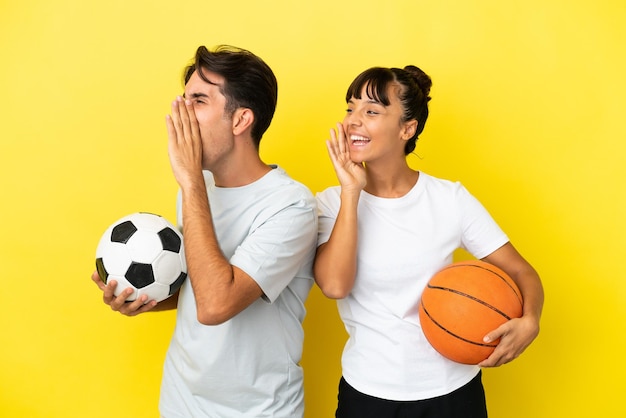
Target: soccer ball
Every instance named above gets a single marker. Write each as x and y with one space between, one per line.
145 252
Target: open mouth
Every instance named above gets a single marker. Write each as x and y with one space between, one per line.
358 140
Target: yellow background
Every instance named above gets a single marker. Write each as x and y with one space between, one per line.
527 111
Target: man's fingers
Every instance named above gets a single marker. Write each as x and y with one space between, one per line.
184 117
193 122
176 122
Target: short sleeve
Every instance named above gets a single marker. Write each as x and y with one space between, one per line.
328 203
481 235
280 249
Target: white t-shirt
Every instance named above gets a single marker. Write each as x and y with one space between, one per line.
249 365
402 242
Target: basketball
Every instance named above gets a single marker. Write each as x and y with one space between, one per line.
462 303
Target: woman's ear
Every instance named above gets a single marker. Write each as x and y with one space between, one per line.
409 129
242 120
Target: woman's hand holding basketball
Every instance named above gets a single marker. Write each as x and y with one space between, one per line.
515 335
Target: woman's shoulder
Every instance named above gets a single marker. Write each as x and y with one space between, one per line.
443 189
329 199
331 192
432 182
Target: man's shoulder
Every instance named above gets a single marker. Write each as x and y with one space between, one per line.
282 183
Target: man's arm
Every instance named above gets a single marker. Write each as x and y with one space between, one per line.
221 290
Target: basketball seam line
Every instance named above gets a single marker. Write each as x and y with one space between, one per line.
452 333
518 296
474 298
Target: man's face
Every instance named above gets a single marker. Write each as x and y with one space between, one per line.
215 125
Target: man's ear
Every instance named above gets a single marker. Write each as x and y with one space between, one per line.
242 120
409 129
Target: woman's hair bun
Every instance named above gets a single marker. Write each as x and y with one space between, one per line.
421 78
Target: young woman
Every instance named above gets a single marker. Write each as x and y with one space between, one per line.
383 233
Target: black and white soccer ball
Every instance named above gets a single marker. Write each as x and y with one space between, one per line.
145 252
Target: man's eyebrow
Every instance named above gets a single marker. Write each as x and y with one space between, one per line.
196 95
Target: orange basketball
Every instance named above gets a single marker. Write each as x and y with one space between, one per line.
462 303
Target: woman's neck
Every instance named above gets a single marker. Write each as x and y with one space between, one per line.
390 183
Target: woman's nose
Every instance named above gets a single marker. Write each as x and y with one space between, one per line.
352 119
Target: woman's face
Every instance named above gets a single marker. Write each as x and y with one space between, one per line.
375 131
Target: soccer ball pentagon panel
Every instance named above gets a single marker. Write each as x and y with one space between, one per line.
145 252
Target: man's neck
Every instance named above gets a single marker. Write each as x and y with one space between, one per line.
241 168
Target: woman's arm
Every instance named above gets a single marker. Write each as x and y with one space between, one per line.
335 261
517 334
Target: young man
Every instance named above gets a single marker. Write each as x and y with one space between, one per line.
249 234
